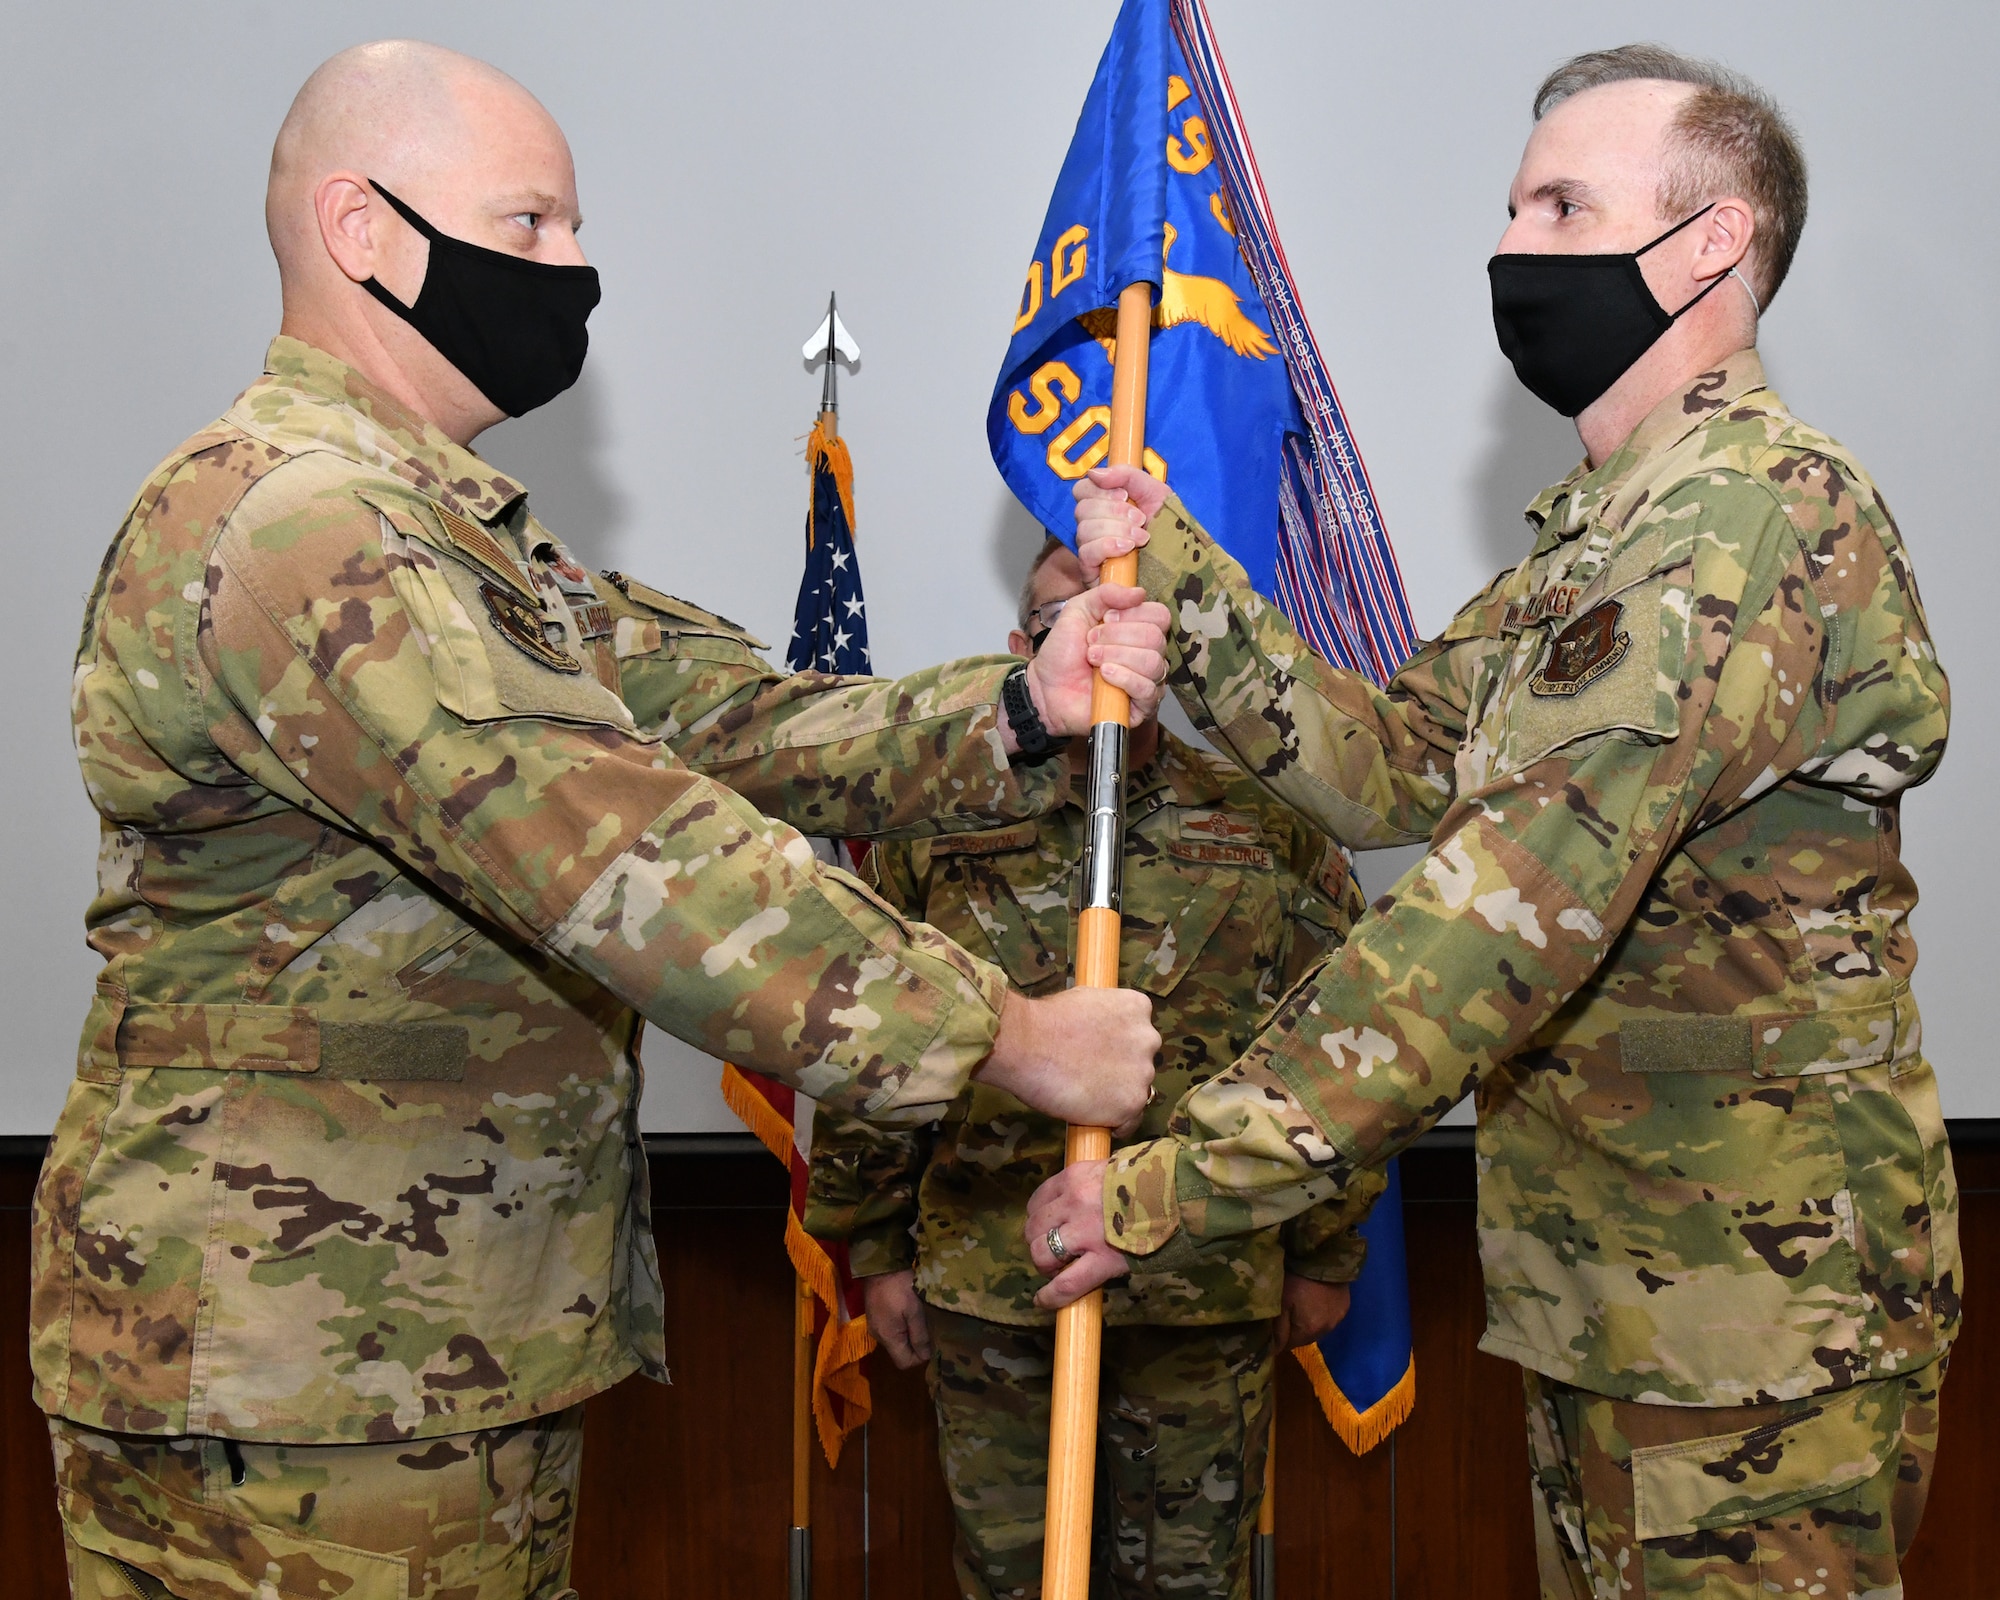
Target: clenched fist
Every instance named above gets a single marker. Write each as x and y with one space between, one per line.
1085 1055
1113 506
1115 630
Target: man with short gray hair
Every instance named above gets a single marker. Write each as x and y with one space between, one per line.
1661 931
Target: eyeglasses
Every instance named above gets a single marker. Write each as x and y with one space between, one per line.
1040 621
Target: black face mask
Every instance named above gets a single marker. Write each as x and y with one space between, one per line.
1572 325
515 328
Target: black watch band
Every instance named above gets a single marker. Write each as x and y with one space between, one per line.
1029 732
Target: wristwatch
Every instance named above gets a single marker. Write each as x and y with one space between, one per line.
1029 732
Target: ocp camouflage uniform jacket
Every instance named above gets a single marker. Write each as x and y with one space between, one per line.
1661 927
1228 898
407 822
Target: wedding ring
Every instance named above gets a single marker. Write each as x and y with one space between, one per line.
1056 1247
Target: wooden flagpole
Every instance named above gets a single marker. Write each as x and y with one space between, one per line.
806 1307
1080 1326
799 1550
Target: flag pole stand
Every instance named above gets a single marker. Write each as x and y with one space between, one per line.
1264 1548
1080 1326
800 1544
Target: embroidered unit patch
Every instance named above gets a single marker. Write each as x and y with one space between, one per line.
1583 652
521 625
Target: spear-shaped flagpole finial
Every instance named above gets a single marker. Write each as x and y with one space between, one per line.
832 344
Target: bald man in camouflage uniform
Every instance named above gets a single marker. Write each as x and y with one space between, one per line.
1660 932
1228 898
408 822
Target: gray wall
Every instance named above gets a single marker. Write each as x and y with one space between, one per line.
738 160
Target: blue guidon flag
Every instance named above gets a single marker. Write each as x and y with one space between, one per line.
1160 186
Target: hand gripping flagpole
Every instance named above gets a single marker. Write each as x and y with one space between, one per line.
1080 1325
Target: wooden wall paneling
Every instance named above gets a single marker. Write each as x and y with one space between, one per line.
909 1514
687 1487
1333 1513
1462 1523
30 1535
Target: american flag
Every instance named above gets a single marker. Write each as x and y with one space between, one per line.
829 634
830 624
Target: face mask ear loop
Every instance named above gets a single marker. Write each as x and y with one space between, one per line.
1718 283
1676 228
1756 304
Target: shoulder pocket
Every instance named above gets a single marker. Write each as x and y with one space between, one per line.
1613 668
1841 1440
491 651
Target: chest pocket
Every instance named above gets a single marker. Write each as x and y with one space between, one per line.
1003 891
1170 916
1600 656
498 647
1188 872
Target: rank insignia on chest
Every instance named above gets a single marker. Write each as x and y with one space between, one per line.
1217 825
1583 652
521 625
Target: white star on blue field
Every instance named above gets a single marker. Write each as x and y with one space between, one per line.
830 623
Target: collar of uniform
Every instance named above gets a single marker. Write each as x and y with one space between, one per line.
1564 510
309 398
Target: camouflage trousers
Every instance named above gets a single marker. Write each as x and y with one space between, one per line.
1184 1417
469 1516
1817 1497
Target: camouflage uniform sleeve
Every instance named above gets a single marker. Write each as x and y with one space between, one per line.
861 1183
352 670
847 758
861 1186
1527 884
1372 767
1323 1243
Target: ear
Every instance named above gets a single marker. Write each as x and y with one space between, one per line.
351 218
1725 238
1017 644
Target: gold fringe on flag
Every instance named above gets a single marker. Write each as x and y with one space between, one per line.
758 1115
1360 1431
843 1346
838 462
